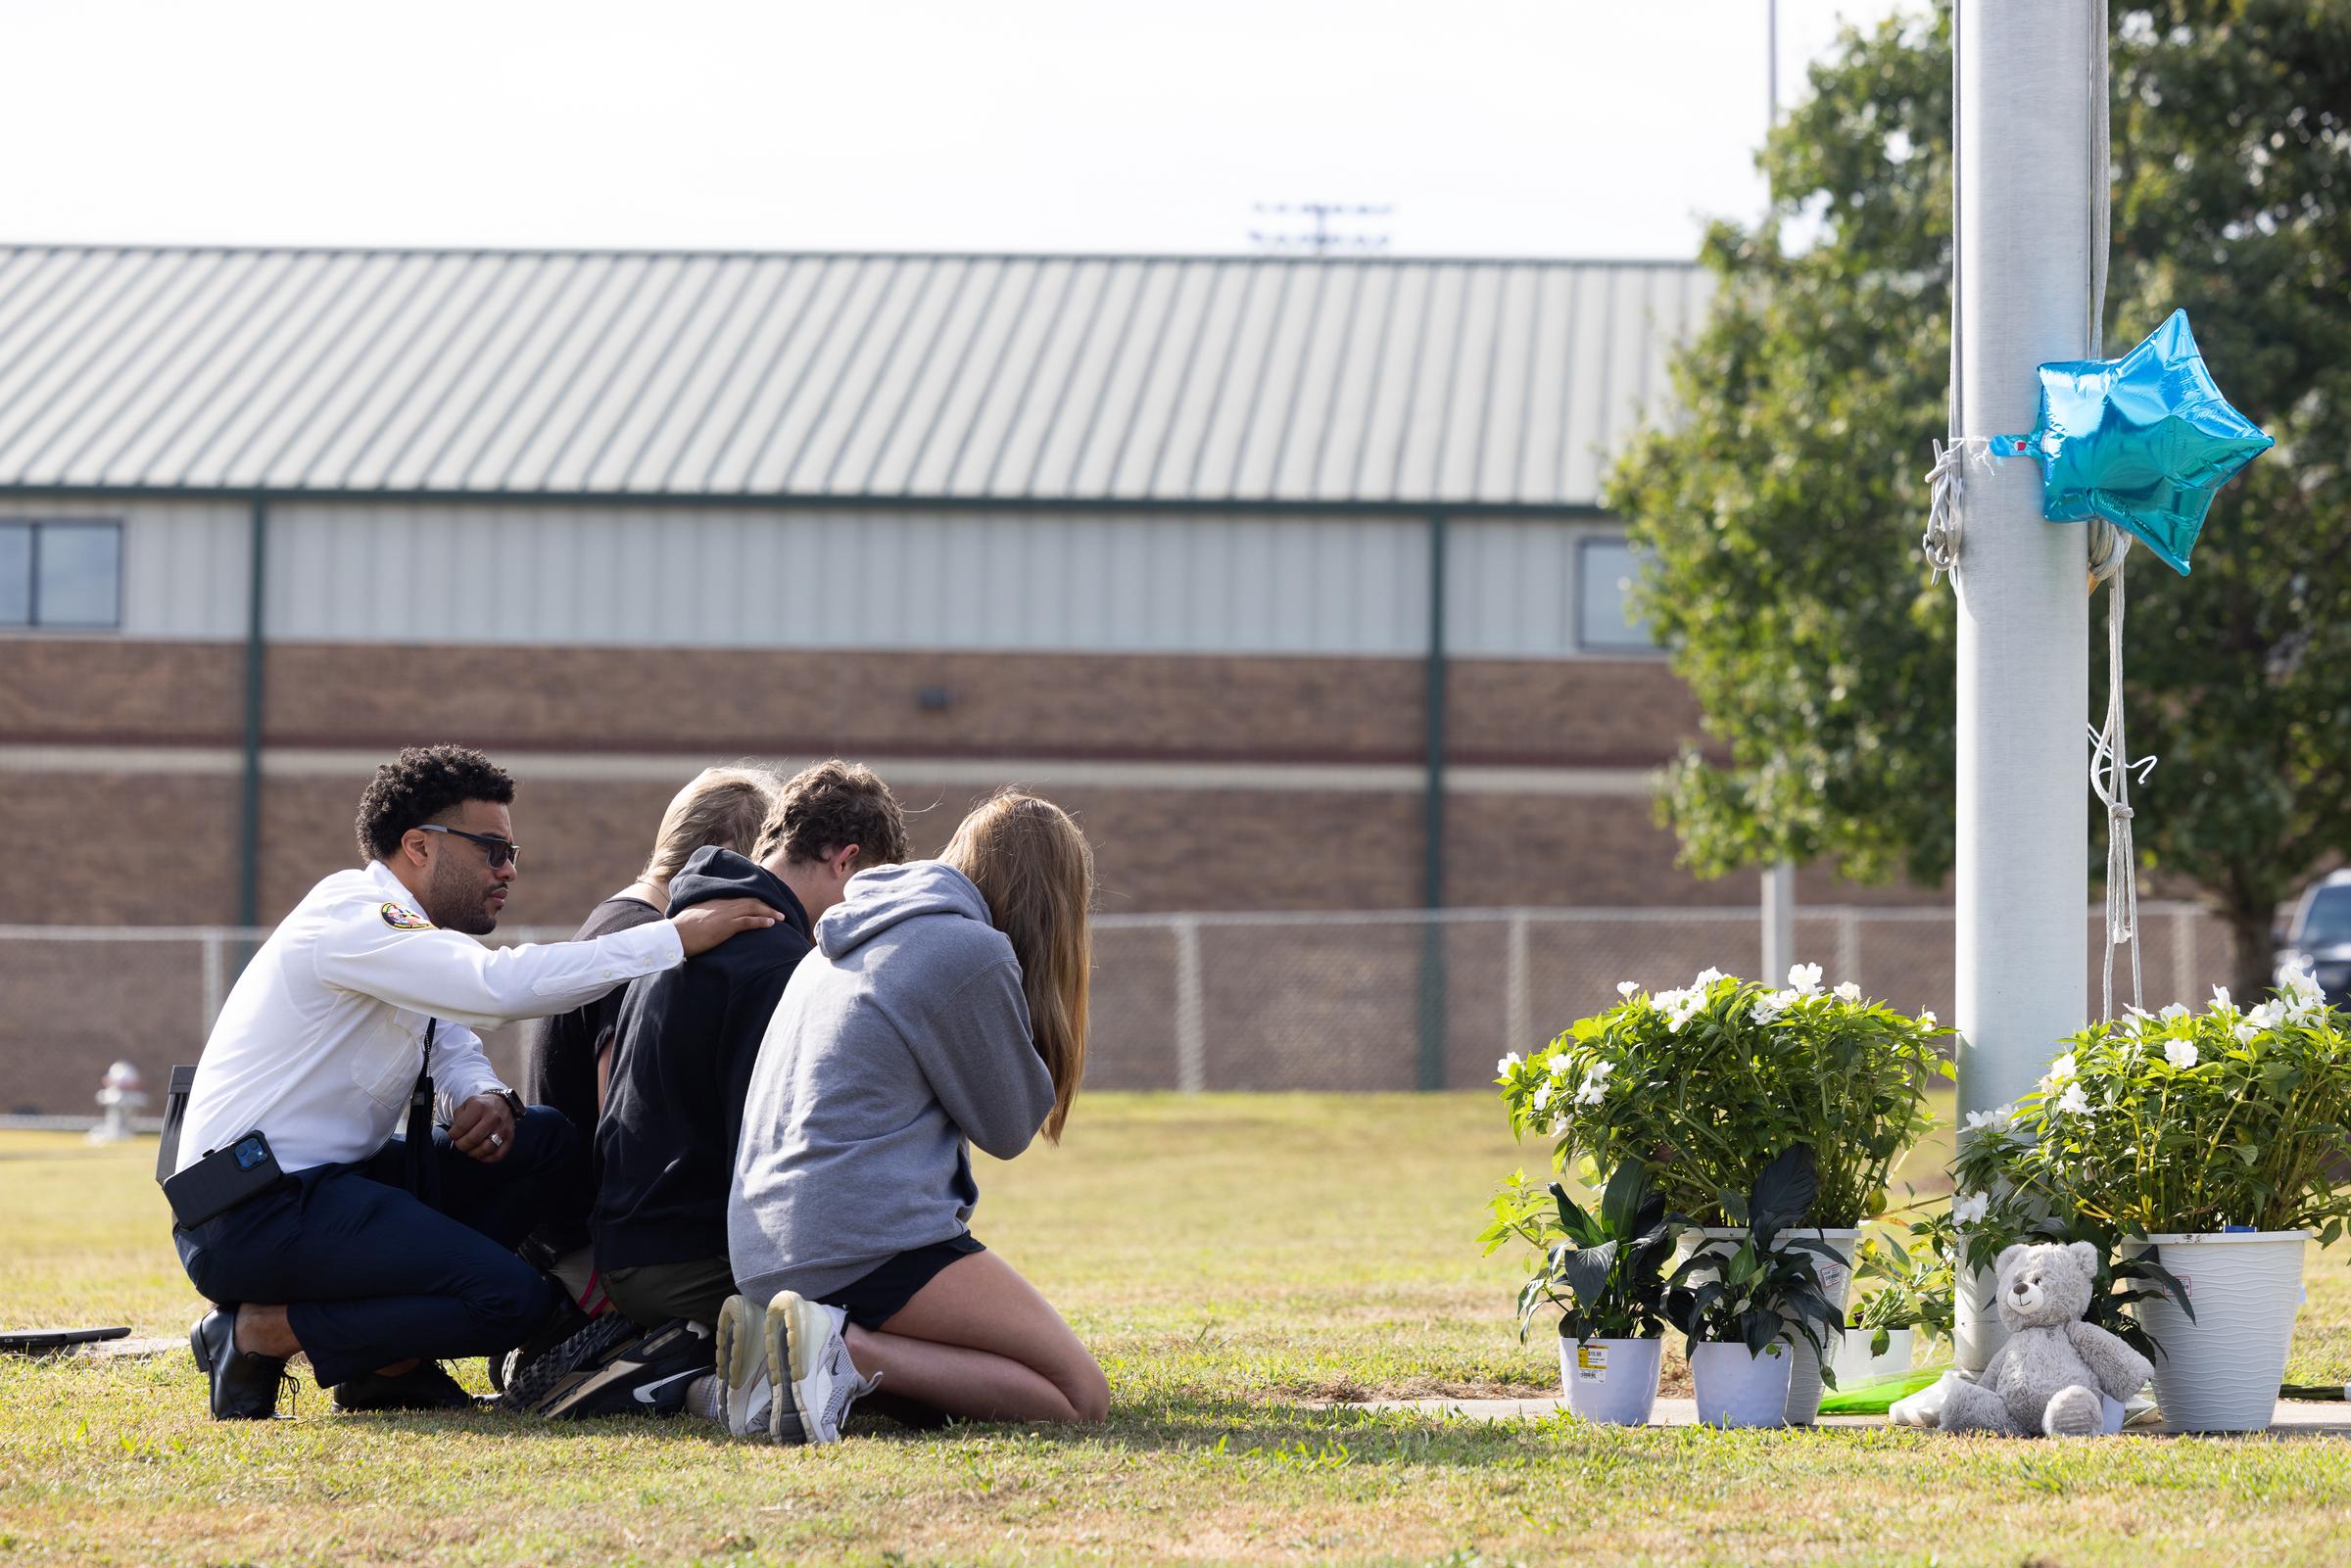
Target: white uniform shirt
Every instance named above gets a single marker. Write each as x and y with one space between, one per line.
321 1037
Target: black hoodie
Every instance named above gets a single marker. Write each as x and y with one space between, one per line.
680 1065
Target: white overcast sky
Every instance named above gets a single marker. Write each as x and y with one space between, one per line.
1569 128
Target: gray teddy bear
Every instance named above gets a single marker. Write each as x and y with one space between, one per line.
2049 1375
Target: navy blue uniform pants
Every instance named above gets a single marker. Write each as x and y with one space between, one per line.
370 1276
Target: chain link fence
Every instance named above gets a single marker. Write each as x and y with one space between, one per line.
1264 1002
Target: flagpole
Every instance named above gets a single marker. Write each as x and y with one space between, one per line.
2023 101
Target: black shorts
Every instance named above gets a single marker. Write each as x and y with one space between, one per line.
879 1295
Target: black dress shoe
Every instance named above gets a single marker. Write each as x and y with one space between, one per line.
422 1387
244 1385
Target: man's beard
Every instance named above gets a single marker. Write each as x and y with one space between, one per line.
456 905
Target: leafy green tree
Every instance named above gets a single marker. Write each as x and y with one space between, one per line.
1781 513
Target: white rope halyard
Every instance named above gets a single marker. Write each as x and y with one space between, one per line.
2110 769
1945 489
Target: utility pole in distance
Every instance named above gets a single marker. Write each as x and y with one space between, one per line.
1320 239
1779 877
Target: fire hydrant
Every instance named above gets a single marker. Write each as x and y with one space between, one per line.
118 1096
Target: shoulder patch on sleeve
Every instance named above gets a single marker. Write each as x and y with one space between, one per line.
402 919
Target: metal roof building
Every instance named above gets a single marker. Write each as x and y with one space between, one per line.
1134 528
1059 380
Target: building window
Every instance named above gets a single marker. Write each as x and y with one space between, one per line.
1605 621
62 575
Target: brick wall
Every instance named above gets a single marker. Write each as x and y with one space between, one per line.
1549 712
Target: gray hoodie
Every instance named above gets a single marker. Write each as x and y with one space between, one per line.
902 1036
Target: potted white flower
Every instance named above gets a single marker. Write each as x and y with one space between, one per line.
1743 1310
1605 1270
2204 1142
1705 1083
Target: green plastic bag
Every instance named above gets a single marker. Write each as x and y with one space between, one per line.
1875 1395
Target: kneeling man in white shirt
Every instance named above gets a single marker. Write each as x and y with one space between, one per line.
375 1257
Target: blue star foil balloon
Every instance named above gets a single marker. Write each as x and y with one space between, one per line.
2143 440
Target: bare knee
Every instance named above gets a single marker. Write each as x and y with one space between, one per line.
1086 1390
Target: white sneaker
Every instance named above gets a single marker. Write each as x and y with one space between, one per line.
743 1365
808 1364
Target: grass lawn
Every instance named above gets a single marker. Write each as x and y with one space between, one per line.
1234 1261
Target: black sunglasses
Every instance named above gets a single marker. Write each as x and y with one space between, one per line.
502 853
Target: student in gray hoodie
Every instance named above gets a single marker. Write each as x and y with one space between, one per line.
944 1006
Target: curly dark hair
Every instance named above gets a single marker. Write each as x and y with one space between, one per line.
830 806
419 785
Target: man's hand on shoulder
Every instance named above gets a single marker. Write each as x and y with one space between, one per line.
483 1128
705 926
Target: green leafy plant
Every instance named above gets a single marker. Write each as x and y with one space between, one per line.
1704 1083
1993 1158
1768 1287
1602 1268
1909 1283
2182 1122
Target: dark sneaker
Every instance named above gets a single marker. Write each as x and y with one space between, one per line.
646 1375
532 1385
244 1385
565 1320
426 1386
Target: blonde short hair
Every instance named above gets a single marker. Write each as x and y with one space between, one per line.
1037 871
722 806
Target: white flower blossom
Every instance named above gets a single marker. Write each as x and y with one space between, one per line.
1967 1208
1679 1007
1626 988
1804 979
2181 1053
1926 1015
2174 1013
2246 1033
1705 978
1767 1009
1594 1084
2219 999
2074 1102
2304 998
2000 1120
2060 1072
1561 1067
1848 992
2267 1016
1502 1069
1542 1094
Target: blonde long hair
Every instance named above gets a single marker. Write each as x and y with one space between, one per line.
1037 871
722 806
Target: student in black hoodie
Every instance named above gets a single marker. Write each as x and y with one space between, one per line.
686 1040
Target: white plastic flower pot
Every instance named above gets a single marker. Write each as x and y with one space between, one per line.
1735 1388
1835 1283
1853 1363
1611 1381
2221 1373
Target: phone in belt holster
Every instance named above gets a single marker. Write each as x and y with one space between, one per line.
240 1169
245 1168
